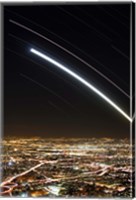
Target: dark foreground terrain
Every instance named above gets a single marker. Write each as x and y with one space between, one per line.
80 167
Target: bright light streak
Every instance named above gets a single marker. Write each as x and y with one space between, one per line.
82 80
69 52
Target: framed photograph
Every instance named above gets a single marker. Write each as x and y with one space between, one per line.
67 99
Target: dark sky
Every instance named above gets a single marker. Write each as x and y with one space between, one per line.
42 100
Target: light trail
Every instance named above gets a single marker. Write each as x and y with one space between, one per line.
82 80
70 53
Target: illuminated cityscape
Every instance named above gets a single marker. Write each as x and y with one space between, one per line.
75 167
66 92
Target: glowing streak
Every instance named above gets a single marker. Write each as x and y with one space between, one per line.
79 78
70 53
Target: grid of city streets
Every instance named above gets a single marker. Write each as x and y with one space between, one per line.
66 167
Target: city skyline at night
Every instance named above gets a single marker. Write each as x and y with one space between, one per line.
67 100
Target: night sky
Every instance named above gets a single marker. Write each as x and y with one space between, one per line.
42 100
